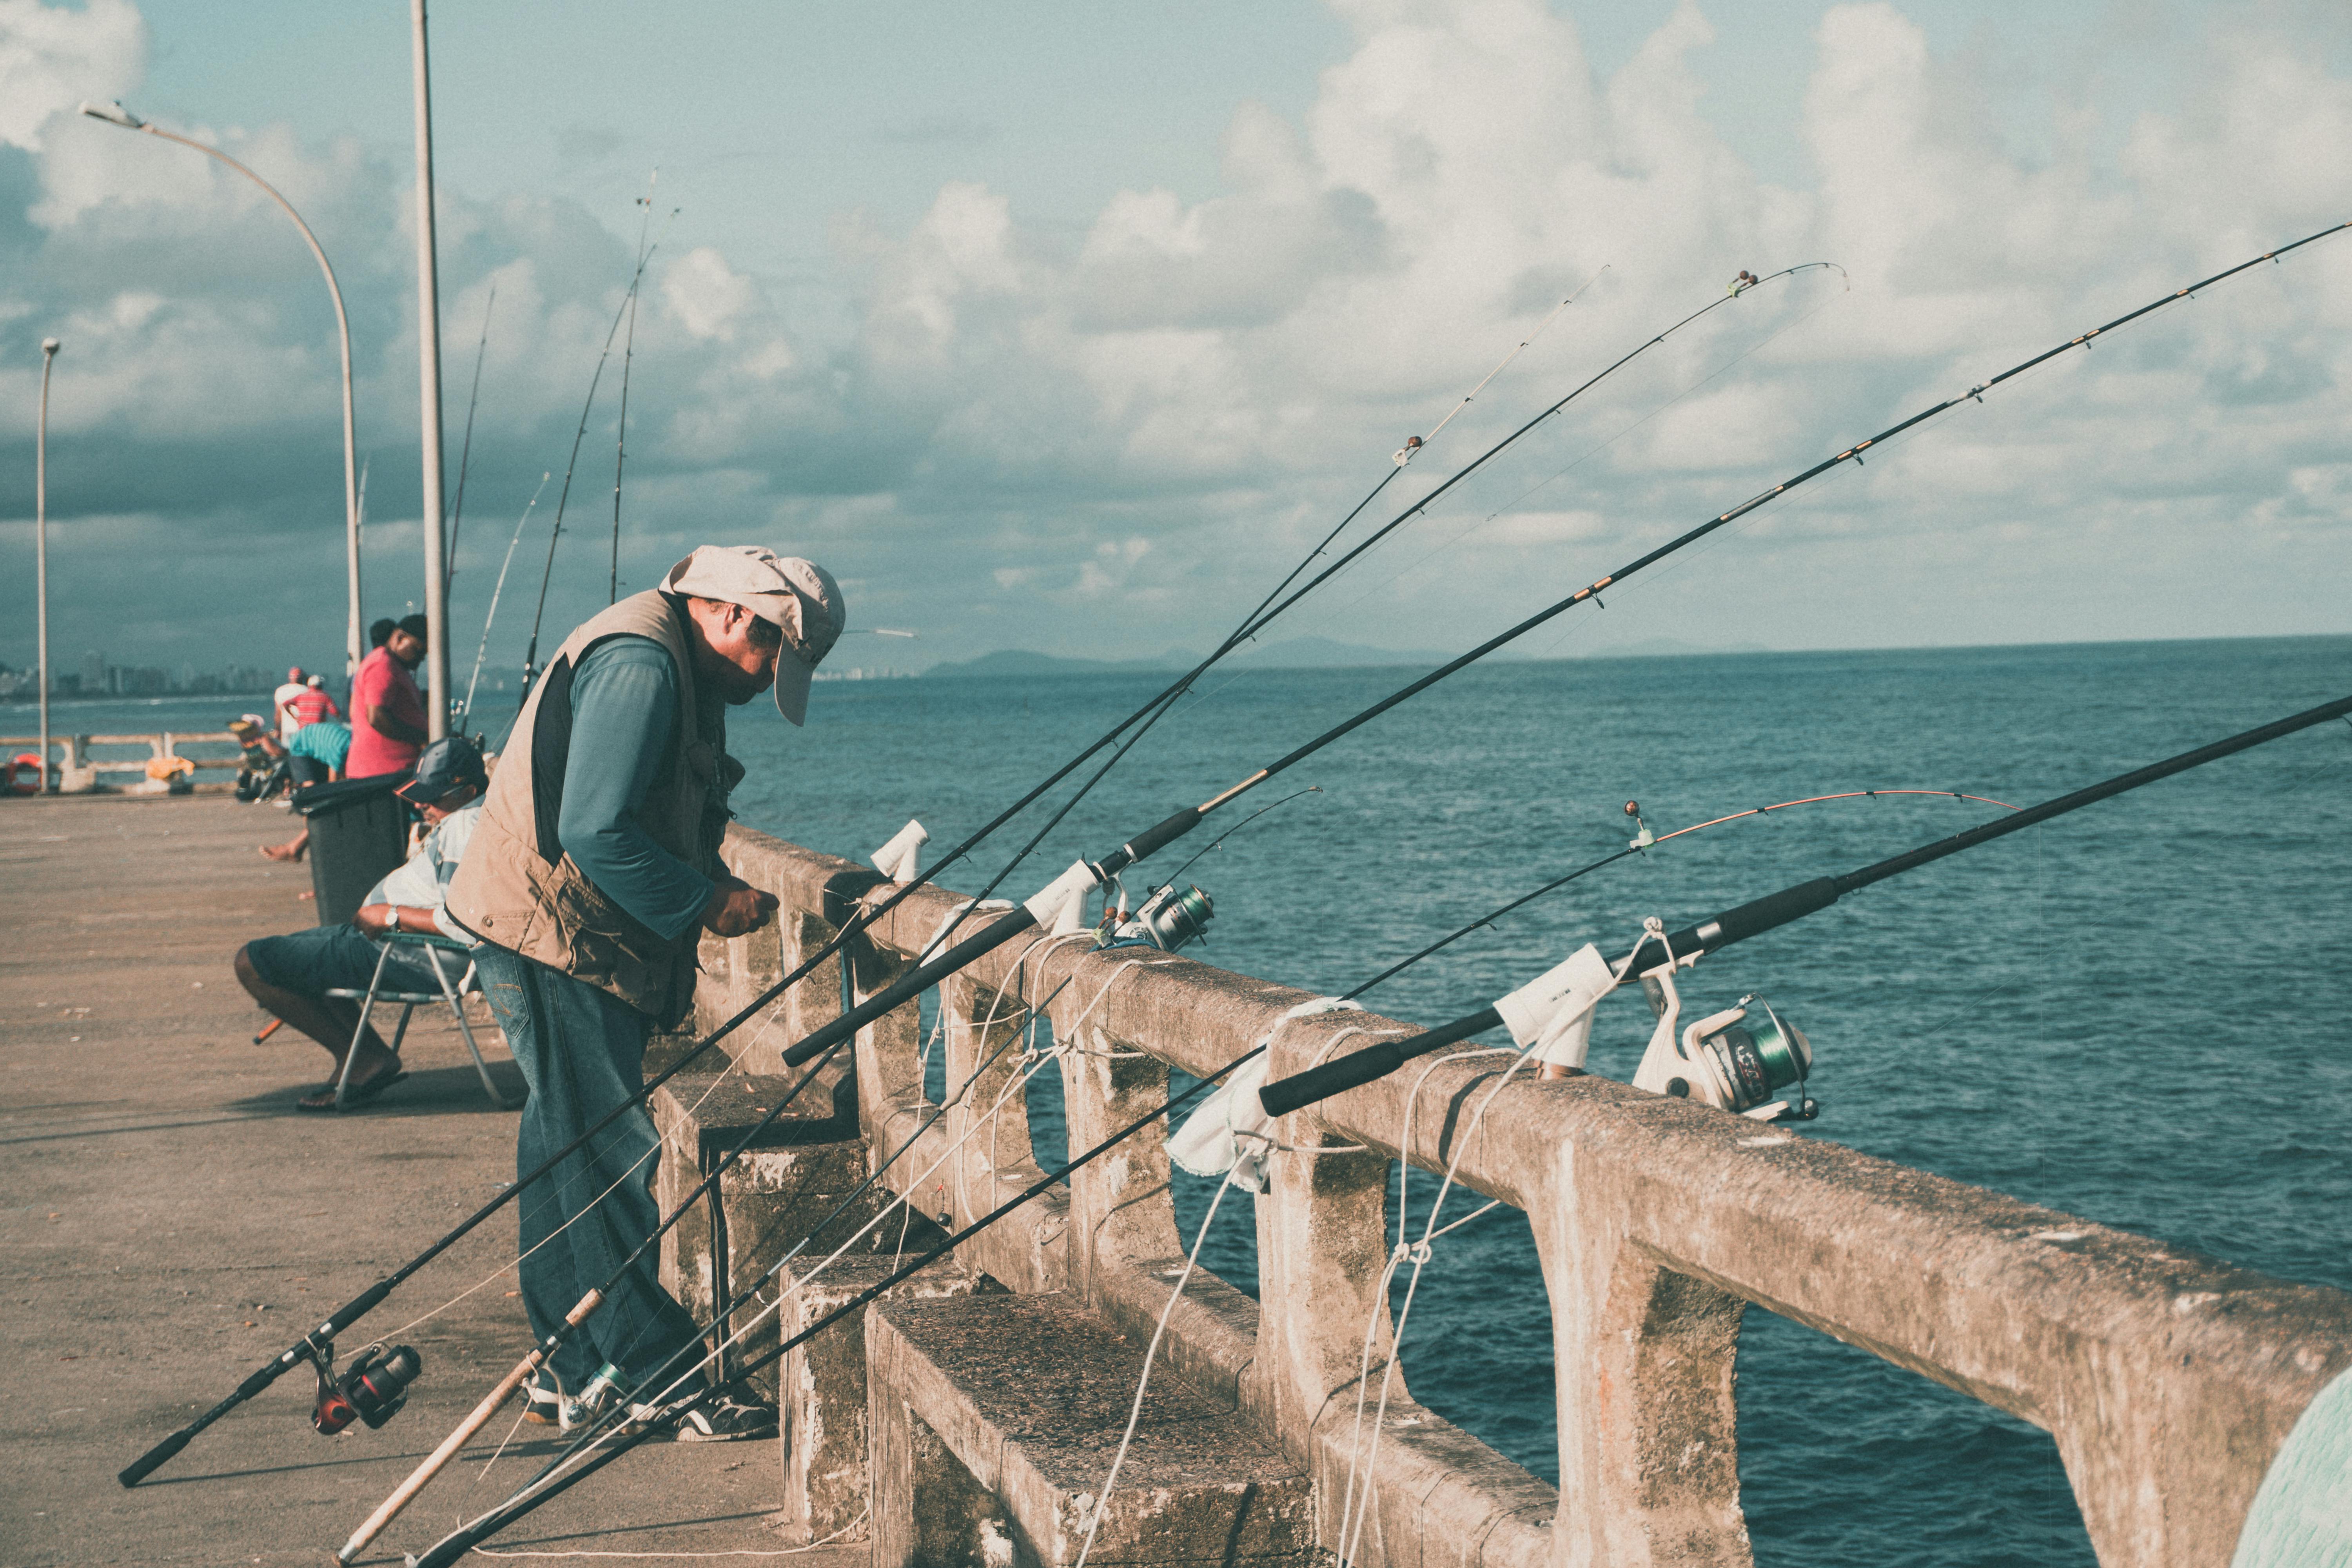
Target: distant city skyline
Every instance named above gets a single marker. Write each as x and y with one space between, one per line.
1068 329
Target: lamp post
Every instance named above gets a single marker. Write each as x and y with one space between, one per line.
50 347
115 114
428 351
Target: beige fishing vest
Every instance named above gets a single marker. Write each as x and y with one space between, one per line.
519 889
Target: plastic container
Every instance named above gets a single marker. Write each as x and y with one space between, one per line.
359 835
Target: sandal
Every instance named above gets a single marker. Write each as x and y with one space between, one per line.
359 1094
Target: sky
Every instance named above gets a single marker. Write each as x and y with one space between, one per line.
1071 327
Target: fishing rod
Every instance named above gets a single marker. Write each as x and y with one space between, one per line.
1645 840
320 1339
1085 874
628 359
530 654
1661 953
1162 705
466 451
1657 954
554 1478
452 1547
690 1350
489 620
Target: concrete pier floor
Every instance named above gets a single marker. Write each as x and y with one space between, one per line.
168 1221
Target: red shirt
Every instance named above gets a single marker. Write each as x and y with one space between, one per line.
383 681
313 706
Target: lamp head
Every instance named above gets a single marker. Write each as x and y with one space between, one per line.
113 113
50 345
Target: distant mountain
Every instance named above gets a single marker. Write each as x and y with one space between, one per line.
1017 661
1292 653
1669 647
1323 653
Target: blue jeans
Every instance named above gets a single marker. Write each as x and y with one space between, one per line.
583 1052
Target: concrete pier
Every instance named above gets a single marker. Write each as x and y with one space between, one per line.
171 1220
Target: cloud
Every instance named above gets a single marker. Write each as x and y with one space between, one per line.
1010 436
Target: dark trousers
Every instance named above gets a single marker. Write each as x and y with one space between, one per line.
583 1052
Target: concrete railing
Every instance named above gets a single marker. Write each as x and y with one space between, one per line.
2169 1381
80 771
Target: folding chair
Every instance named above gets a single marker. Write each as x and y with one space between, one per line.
432 948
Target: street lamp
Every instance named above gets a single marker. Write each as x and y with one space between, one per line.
50 347
115 114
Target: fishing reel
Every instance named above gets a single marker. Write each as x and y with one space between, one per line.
1167 918
372 1389
1733 1060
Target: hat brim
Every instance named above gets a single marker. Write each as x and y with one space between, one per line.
793 679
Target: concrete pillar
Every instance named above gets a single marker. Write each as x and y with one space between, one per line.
1121 1214
1648 1444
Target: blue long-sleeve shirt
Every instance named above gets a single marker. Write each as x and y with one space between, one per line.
624 720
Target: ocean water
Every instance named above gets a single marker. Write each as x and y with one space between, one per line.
2125 1014
2129 1014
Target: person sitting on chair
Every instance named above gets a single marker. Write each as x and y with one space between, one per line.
290 975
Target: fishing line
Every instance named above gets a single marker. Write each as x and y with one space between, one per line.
1085 874
924 976
1244 822
1730 926
1612 369
1754 918
452 1547
628 358
484 648
465 452
541 1354
1636 847
1679 398
587 1171
1258 619
694 1352
1405 1137
530 655
1135 1414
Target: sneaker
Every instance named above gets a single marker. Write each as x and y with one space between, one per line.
721 1419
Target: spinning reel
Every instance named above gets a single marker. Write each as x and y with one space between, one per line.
1169 917
1735 1060
372 1389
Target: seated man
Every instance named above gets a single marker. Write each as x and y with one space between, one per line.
291 975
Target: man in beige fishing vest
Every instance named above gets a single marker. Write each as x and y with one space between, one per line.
593 873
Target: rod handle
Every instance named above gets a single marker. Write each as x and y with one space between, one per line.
913 984
1158 838
1373 1062
439 1459
154 1458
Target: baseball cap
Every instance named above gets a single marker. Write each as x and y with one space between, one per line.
414 626
799 597
449 764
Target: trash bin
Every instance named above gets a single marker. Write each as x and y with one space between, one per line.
359 835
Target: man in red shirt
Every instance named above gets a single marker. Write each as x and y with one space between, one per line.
314 706
388 714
